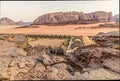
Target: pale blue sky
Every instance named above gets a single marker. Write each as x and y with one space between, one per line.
30 10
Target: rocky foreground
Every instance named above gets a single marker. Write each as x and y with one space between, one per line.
87 58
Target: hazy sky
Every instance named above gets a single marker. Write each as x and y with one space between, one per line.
30 10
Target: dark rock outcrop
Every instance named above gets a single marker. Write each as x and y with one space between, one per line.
73 17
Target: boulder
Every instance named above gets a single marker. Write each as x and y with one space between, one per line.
87 41
21 41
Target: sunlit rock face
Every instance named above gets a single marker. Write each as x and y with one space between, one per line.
72 17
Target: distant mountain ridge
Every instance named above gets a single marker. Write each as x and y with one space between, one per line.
73 17
7 21
116 18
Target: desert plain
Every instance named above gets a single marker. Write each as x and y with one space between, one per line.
72 30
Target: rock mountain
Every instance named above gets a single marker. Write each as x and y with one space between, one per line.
73 17
67 18
116 18
7 21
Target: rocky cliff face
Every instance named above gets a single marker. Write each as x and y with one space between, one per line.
72 17
7 21
100 16
116 18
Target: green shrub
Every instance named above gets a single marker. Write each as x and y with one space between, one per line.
49 36
66 43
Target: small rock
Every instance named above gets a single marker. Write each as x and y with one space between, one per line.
60 66
51 74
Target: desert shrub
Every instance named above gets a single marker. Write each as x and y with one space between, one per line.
56 50
60 36
51 49
49 36
60 51
33 37
66 43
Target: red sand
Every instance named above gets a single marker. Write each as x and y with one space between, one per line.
60 30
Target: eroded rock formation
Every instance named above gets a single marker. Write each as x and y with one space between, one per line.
73 17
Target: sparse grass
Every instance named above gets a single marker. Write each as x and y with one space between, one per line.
49 36
65 44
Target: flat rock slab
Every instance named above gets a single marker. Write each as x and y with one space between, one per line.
100 74
113 65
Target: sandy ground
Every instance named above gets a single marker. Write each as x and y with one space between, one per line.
47 42
60 30
9 26
1 41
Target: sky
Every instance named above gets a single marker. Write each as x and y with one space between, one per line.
28 11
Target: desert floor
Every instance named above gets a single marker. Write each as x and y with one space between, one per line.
59 30
47 42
